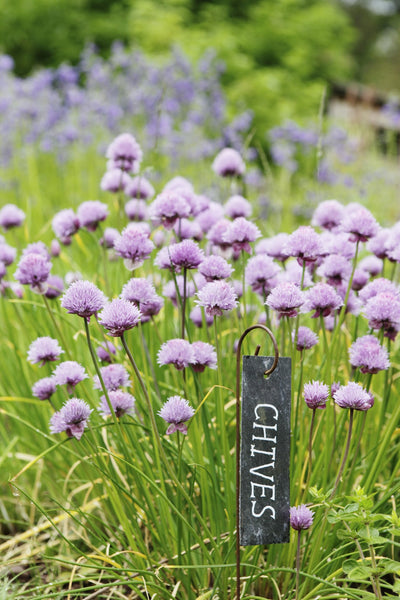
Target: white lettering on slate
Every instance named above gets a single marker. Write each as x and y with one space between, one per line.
265 486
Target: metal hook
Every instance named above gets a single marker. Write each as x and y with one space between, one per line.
267 372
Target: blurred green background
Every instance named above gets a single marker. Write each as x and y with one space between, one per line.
279 55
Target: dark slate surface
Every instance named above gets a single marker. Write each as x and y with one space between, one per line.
265 452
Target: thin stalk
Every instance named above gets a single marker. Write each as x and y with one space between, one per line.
346 452
310 444
184 303
298 565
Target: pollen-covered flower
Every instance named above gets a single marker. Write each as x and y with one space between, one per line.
177 411
134 246
240 233
353 396
44 349
304 244
316 394
72 418
11 216
65 223
168 207
237 206
228 163
124 153
176 352
301 517
217 297
368 354
44 388
204 356
118 316
215 267
122 403
286 298
83 298
306 338
328 214
114 376
360 224
322 299
33 270
69 373
91 213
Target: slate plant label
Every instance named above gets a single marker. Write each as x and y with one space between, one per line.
264 500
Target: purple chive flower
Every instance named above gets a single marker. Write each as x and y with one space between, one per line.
110 235
383 312
301 517
91 213
33 270
274 247
37 248
372 264
215 267
353 396
360 224
328 214
204 356
105 350
115 180
337 243
217 297
55 286
136 210
114 376
178 182
167 208
55 248
316 394
69 373
304 244
293 273
125 153
335 269
176 352
65 223
377 286
240 233
44 388
163 259
286 298
133 246
360 279
322 299
368 355
177 411
7 254
260 273
118 316
72 418
141 292
83 298
139 187
228 163
210 216
122 403
44 349
199 317
306 338
186 254
377 243
186 229
11 216
216 234
237 206
169 289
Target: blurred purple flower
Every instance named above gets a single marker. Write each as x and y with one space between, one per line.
353 396
11 216
33 270
177 411
304 244
105 350
260 273
368 355
286 298
55 248
383 312
91 213
217 297
55 286
322 299
237 206
177 352
133 246
199 317
335 268
204 356
240 233
306 338
360 224
274 246
115 180
65 224
228 163
7 254
122 403
69 373
378 286
119 316
215 267
125 153
140 187
328 214
372 264
72 418
114 376
136 210
167 208
110 235
169 289
44 349
217 232
44 388
210 216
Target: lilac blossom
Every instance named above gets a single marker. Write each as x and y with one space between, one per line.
83 298
274 246
228 163
216 234
360 279
170 292
115 180
260 273
316 394
217 297
199 317
378 286
55 248
368 355
11 216
204 356
55 286
240 233
237 206
72 418
177 352
134 246
178 182
176 411
136 210
65 224
335 268
392 244
167 208
91 213
372 264
306 338
328 214
110 235
360 224
353 396
337 243
286 298
139 187
210 216
122 403
44 388
114 376
186 229
383 312
37 248
125 153
7 254
44 349
215 267
69 373
294 273
33 270
142 293
301 517
322 299
186 255
119 316
377 243
105 352
304 244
